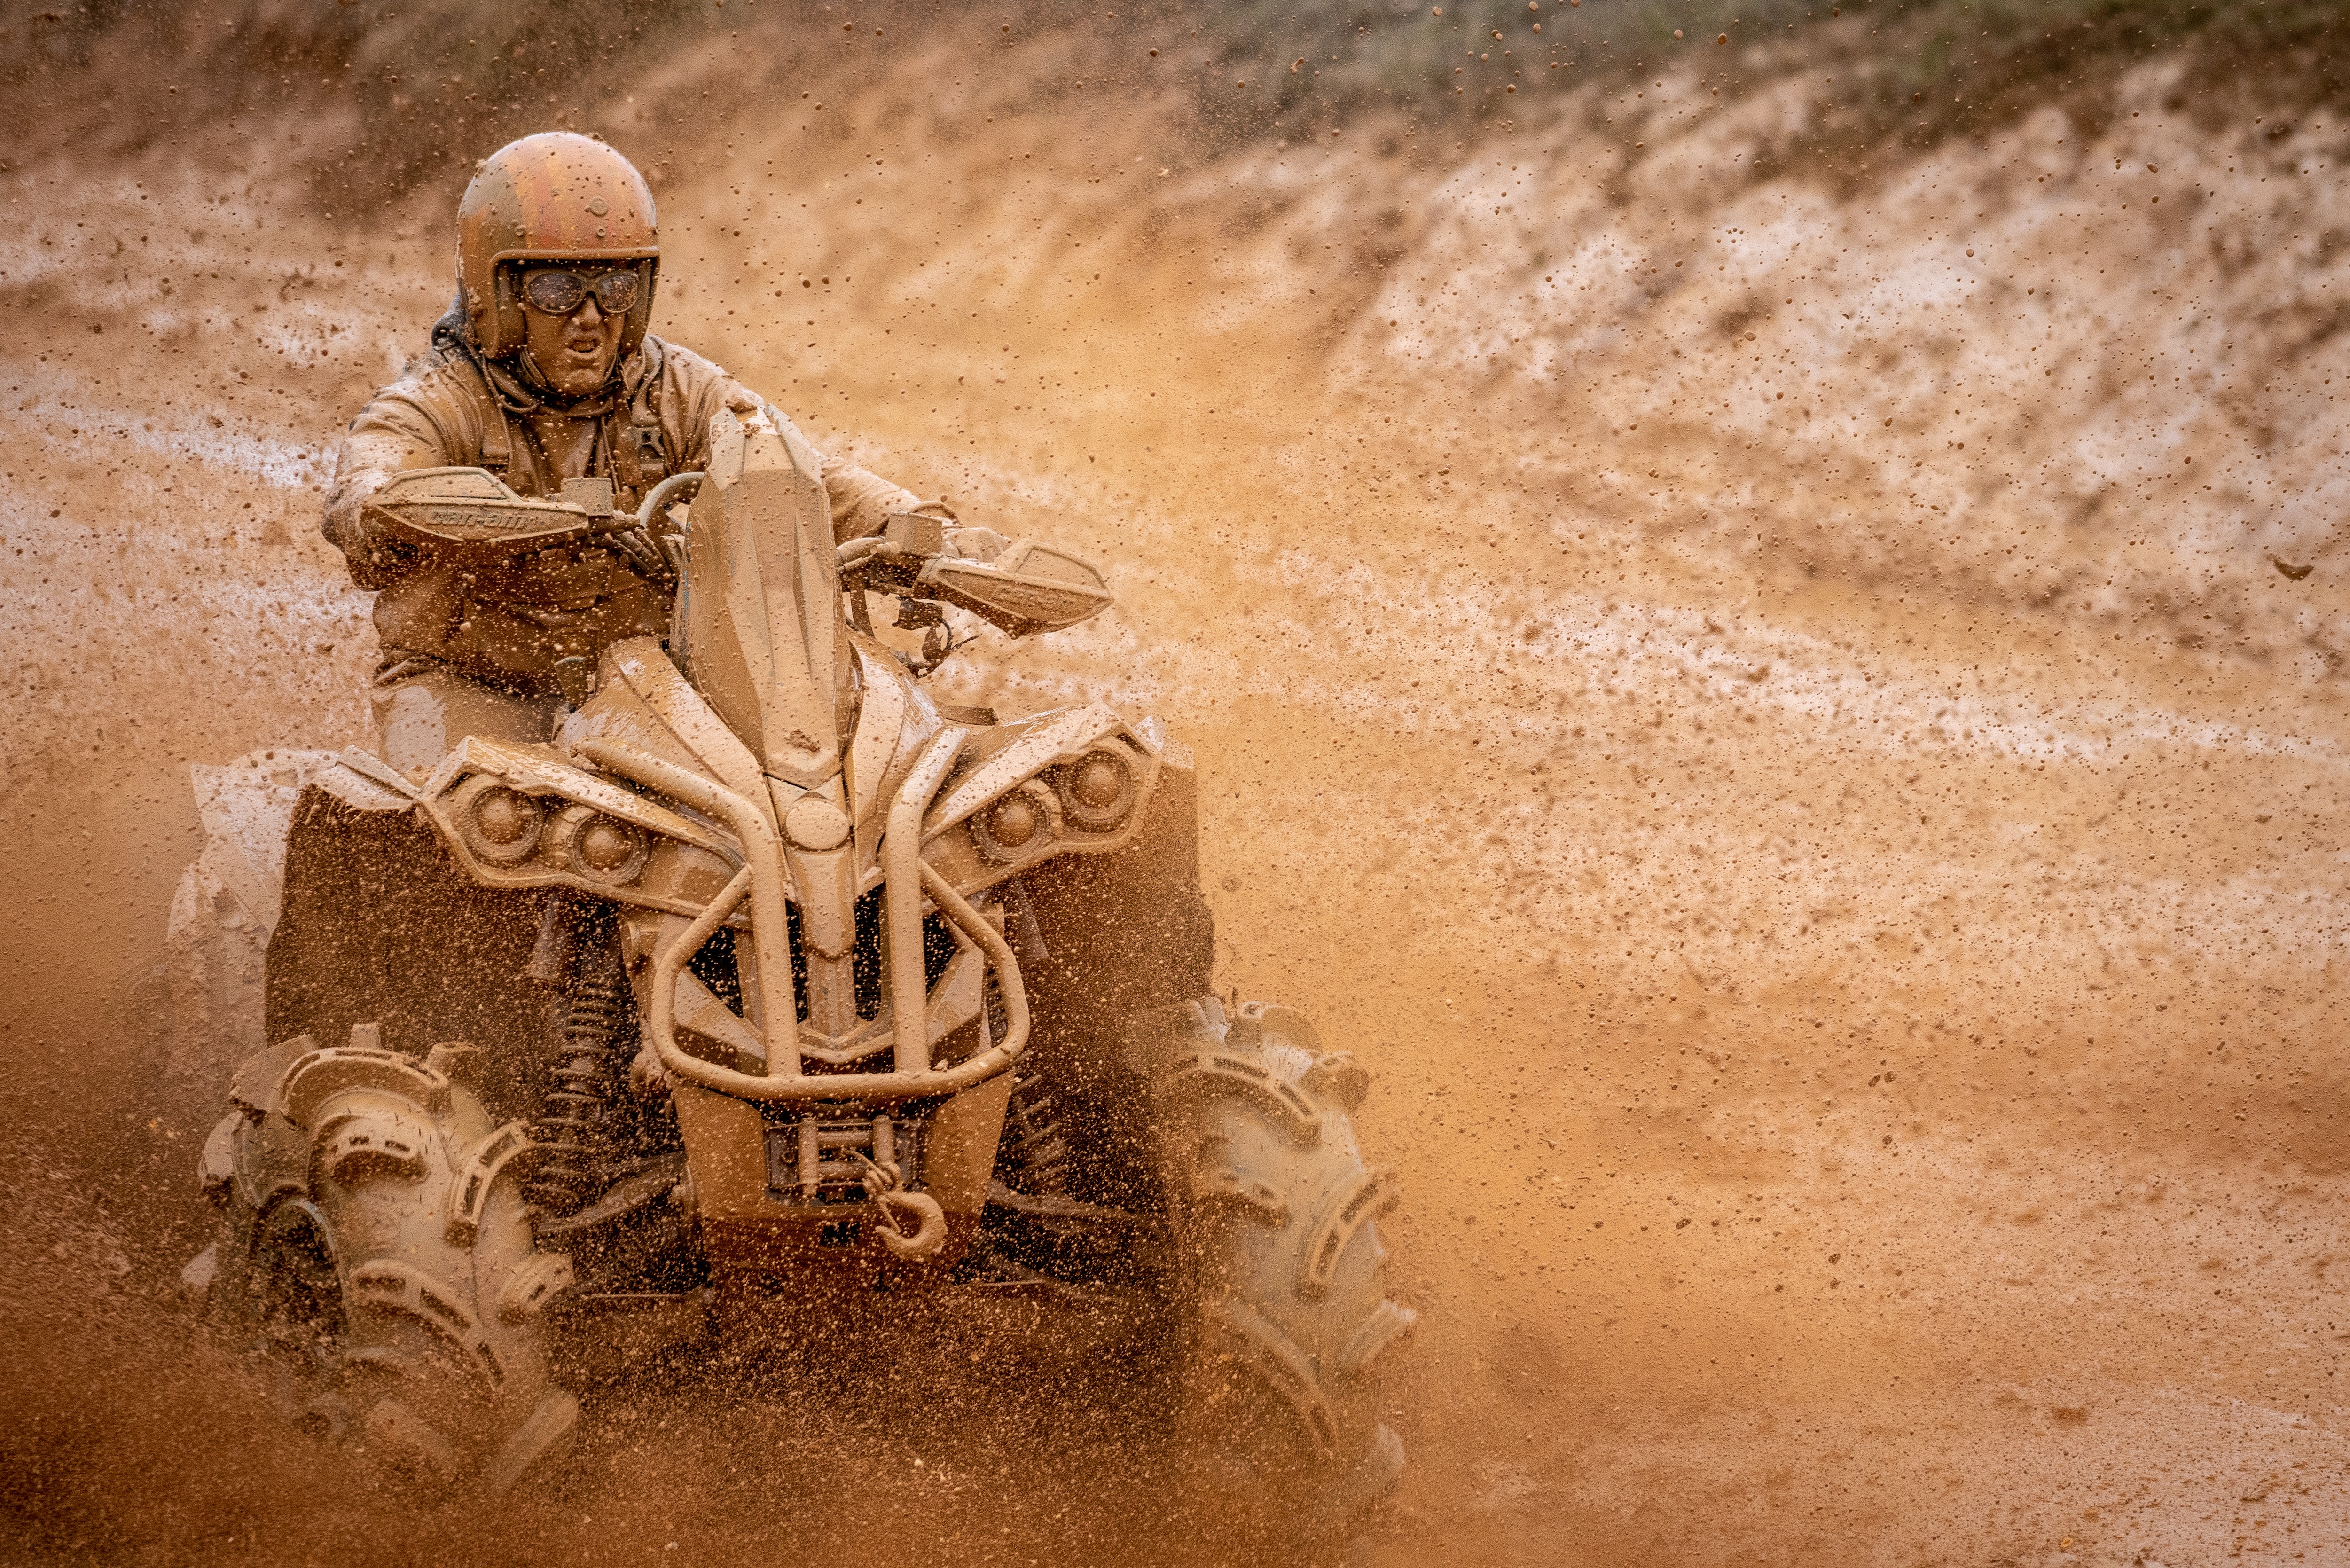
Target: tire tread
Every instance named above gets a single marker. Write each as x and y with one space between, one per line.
441 1288
1276 1213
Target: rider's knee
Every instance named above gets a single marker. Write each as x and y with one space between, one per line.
421 716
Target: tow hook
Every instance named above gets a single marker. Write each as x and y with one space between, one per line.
929 1231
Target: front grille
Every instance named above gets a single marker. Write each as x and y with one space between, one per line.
715 966
871 957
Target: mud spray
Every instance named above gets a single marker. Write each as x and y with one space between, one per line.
1790 706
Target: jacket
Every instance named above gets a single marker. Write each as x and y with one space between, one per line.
510 625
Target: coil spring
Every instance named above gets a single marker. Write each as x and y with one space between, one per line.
1032 1157
572 1128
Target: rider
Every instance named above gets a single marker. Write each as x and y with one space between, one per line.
541 372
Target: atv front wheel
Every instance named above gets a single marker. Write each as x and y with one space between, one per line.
379 1243
1281 1268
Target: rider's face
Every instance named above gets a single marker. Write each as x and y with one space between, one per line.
574 352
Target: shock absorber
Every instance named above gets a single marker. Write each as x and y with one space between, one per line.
1032 1157
574 1127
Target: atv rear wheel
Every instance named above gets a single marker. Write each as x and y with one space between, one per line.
381 1242
1281 1269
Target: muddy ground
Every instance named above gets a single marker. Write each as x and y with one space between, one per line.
1845 902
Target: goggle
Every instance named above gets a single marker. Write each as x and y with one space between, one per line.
561 293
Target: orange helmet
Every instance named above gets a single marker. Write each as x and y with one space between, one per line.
554 196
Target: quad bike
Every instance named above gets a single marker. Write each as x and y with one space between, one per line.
774 986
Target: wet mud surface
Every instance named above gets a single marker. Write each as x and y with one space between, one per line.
1845 925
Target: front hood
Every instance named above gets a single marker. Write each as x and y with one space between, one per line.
758 627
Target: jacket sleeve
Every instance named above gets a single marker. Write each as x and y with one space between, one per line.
861 502
417 421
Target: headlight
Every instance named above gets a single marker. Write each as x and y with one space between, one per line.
1098 790
598 847
500 825
1015 825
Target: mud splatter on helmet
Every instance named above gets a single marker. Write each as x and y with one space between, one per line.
554 196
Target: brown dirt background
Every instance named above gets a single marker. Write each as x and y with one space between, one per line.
1763 709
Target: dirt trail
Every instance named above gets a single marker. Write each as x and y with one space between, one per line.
1847 923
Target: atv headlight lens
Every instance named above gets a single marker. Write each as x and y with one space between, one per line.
506 817
1013 822
500 825
600 848
1098 790
1017 824
606 846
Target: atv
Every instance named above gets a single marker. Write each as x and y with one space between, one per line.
771 985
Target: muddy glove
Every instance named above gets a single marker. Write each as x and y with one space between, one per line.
964 542
975 544
644 557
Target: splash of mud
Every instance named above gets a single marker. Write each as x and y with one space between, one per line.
1843 914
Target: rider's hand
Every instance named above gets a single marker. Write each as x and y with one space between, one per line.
642 553
976 543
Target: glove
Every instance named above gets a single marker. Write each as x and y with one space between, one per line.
643 555
976 543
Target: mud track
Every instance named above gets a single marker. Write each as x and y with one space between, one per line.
1847 925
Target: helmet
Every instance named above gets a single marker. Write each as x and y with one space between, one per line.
554 196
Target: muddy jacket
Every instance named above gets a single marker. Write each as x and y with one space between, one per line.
509 624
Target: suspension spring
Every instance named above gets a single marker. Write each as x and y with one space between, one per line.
574 1127
1032 1157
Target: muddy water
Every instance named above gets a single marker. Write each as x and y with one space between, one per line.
1845 922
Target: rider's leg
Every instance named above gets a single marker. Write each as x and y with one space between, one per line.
422 709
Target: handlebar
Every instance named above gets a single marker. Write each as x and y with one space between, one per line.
642 517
